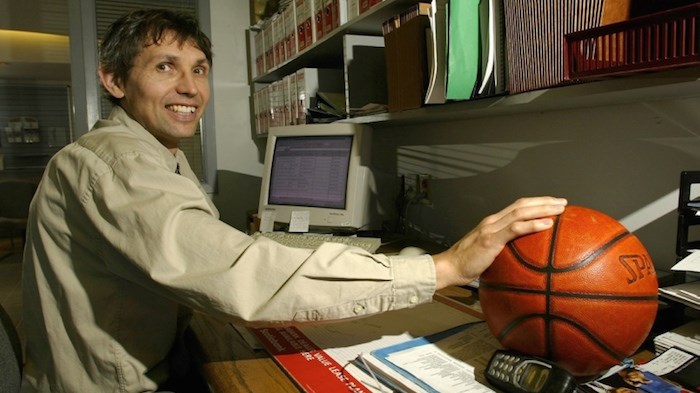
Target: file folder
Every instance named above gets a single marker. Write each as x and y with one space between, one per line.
463 49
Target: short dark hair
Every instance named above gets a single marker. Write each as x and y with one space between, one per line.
127 36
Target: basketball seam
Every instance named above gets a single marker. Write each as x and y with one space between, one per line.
549 268
595 296
548 318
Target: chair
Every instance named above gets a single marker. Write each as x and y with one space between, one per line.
15 197
10 355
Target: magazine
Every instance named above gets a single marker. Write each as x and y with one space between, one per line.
673 371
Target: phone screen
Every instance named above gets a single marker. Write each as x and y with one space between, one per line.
534 377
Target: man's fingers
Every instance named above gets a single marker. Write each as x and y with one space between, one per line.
526 216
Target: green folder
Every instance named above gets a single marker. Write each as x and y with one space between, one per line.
462 49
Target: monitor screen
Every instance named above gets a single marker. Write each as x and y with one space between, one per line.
310 171
321 170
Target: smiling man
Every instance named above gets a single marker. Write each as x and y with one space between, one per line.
122 241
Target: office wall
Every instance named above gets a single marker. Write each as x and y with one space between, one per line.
617 159
238 154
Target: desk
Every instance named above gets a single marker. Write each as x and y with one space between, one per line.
228 364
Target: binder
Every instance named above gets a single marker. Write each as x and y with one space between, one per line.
406 59
365 72
463 49
436 47
491 79
535 44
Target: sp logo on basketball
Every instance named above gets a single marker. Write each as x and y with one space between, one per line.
638 266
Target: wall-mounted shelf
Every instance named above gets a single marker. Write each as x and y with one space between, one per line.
328 51
641 87
648 87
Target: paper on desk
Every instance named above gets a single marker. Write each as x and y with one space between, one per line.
691 263
451 364
327 350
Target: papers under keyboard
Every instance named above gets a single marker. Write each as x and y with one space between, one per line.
313 240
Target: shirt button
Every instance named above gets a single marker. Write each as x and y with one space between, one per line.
413 299
358 309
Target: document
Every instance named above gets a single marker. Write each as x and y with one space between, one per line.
450 361
691 263
686 293
685 337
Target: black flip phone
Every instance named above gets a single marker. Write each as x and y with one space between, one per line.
514 372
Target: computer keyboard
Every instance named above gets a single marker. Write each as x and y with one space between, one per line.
313 240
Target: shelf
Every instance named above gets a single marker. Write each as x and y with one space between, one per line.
328 51
624 90
613 90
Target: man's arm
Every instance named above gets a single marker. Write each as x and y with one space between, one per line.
472 254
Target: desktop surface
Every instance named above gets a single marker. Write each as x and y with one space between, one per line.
228 363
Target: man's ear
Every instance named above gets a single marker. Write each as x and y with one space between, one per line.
110 83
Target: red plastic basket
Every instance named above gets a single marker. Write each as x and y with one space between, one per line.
663 40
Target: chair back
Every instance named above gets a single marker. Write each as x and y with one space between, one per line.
15 197
10 355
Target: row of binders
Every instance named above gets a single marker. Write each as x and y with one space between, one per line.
435 51
442 51
309 95
451 50
298 25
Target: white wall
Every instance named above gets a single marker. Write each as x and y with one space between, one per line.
235 148
619 159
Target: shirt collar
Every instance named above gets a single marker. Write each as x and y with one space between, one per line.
119 114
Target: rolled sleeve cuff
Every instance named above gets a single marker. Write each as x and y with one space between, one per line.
414 280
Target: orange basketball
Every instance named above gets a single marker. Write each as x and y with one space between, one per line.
582 294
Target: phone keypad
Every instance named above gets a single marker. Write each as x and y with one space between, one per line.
502 366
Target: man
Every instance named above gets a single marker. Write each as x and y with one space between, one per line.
122 239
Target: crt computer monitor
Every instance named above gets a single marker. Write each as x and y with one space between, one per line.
322 169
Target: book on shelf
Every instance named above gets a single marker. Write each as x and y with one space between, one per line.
673 371
305 26
290 30
318 19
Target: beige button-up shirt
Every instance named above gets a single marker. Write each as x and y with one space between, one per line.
119 244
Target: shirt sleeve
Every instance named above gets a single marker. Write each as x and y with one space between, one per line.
160 232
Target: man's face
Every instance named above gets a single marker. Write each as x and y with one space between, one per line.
167 90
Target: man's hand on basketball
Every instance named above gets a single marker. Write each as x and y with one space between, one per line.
472 254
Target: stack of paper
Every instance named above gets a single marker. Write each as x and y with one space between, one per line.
687 293
686 337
